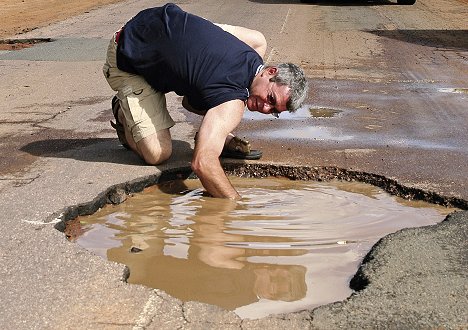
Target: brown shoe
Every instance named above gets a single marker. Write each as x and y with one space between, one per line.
118 125
240 149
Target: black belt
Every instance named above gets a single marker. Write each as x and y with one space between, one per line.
117 35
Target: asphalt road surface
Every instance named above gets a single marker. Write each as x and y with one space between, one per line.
391 81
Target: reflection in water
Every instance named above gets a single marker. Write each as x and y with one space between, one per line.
304 112
286 246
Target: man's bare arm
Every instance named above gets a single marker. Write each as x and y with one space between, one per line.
253 38
215 127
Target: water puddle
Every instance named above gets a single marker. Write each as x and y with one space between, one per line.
304 112
421 144
286 246
324 112
454 90
318 133
334 134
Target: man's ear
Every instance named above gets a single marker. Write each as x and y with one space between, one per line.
272 70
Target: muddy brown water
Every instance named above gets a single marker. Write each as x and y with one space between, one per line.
286 246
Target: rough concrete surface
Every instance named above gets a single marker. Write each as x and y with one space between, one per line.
406 276
397 73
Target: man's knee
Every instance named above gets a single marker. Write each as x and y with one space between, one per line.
157 157
156 148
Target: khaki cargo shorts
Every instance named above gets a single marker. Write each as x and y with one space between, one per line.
144 108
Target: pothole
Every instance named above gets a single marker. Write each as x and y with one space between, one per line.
17 44
287 246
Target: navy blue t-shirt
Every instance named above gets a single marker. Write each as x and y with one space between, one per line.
180 52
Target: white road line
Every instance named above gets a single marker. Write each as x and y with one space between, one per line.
285 20
269 55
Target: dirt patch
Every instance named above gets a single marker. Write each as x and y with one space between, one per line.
27 15
17 44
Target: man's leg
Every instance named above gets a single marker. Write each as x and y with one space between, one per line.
154 144
141 110
154 148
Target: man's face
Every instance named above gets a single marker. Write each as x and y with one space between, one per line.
267 96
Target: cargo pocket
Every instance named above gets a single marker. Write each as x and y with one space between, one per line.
134 101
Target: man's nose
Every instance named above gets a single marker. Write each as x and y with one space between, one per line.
267 106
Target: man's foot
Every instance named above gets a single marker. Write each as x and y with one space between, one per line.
240 149
118 125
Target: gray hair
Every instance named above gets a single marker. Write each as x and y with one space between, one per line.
291 75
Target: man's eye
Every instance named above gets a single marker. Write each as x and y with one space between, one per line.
271 100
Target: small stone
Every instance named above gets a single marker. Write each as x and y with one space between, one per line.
118 196
134 249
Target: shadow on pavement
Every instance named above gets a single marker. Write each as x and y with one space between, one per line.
95 150
336 3
449 39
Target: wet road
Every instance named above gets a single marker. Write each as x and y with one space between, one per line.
398 77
